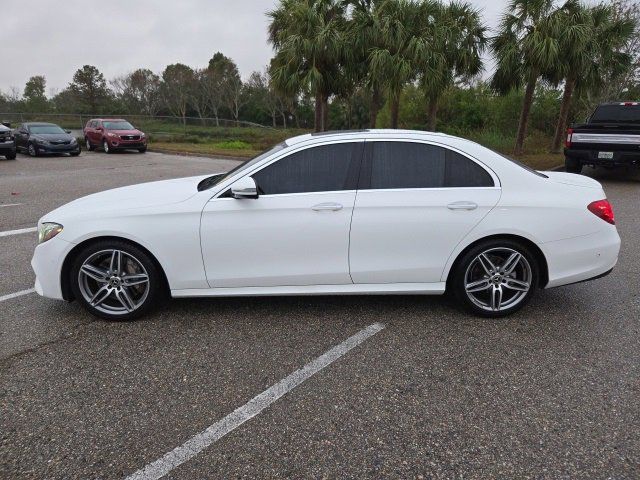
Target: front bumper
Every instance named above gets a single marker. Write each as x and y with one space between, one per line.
117 144
7 147
47 261
581 258
590 157
71 148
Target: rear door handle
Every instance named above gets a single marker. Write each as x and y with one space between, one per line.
462 206
327 206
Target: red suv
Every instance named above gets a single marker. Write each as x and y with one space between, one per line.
113 134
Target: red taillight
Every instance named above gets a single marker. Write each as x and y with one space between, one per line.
567 142
602 209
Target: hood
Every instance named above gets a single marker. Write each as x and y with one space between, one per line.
143 195
126 132
573 179
53 137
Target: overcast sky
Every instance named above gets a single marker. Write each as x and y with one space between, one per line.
54 39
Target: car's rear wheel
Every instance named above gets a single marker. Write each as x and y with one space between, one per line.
572 165
495 278
106 147
87 144
115 280
32 150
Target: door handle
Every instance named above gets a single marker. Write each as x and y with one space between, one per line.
327 206
462 206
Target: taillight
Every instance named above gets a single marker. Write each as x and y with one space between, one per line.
602 209
567 142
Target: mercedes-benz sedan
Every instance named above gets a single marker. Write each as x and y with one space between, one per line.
369 212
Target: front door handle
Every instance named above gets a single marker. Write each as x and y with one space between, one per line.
462 206
327 206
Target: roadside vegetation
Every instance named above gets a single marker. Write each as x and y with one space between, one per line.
349 64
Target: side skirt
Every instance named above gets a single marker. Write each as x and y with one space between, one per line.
349 289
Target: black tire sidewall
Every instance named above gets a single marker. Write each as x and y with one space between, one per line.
157 290
456 285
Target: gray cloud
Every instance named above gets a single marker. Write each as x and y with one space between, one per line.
42 37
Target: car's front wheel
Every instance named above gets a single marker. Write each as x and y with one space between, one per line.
87 144
33 150
495 278
106 147
116 280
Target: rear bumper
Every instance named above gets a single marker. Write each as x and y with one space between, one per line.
590 157
581 258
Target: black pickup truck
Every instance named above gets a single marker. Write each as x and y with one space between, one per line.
609 138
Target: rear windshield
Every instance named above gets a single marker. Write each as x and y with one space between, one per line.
616 114
118 126
44 129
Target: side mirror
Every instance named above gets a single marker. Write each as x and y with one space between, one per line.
244 188
68 131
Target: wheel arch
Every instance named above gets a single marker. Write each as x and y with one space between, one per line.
65 272
535 249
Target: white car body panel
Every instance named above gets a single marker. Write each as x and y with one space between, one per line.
403 241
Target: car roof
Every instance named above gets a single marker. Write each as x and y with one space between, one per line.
108 120
367 133
39 124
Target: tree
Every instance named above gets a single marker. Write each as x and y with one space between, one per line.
198 94
453 39
34 94
140 91
216 80
394 48
526 47
177 79
309 39
592 53
90 89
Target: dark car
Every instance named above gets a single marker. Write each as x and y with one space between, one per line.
113 134
45 138
610 137
7 143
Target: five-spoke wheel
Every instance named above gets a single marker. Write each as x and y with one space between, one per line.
496 277
115 280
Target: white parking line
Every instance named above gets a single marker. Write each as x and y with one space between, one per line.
7 233
253 407
10 205
17 294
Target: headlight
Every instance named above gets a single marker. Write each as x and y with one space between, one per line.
39 141
142 135
48 230
73 140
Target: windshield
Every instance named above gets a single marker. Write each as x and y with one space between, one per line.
120 125
216 179
45 129
616 114
522 165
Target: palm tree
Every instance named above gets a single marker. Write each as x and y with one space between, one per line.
453 40
591 52
308 36
393 48
526 47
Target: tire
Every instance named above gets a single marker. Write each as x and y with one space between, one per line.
492 293
572 165
32 150
142 150
88 145
105 147
93 276
75 154
11 156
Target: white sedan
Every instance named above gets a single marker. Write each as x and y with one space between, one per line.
368 212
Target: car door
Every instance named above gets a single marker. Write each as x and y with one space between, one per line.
96 132
415 203
296 232
22 137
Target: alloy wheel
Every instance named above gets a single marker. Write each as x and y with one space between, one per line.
32 150
87 143
498 279
113 282
105 146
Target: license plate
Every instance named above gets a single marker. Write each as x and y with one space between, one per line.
605 155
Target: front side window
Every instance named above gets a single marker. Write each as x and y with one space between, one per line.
317 169
416 165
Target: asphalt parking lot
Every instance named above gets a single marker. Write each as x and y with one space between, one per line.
551 392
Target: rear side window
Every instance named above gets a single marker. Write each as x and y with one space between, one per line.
417 165
318 169
616 114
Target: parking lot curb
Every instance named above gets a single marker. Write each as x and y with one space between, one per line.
191 154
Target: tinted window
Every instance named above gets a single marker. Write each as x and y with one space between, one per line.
317 169
417 165
463 172
616 114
